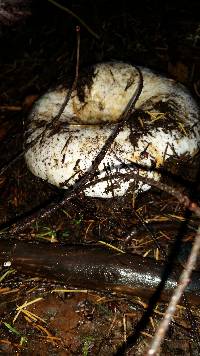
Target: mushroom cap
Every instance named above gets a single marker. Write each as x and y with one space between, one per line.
166 126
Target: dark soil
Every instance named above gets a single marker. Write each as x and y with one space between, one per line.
37 54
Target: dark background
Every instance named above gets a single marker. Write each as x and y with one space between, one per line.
164 35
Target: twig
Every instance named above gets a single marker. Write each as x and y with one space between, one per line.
12 161
45 212
124 117
70 12
177 193
182 284
147 227
51 124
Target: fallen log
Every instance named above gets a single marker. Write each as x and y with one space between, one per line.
96 268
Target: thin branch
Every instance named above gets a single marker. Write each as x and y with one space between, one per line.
70 12
182 284
123 119
148 228
177 193
51 124
89 174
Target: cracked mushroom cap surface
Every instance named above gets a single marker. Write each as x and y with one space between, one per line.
165 126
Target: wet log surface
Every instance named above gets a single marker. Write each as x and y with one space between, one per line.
96 268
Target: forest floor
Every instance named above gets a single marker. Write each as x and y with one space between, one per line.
41 53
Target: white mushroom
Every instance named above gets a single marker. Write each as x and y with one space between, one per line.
166 126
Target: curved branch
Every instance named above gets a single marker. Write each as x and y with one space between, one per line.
70 12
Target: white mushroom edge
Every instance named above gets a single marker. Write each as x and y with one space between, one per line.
170 128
